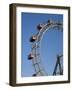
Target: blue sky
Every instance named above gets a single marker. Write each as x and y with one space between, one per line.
51 44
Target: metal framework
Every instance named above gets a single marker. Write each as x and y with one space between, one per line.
35 40
58 65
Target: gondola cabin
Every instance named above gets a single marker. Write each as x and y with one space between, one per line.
34 75
33 38
30 56
39 27
49 22
59 23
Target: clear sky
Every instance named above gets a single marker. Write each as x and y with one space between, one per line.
51 44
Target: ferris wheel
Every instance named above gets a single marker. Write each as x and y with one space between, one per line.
35 41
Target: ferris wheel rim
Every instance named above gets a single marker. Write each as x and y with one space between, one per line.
39 42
